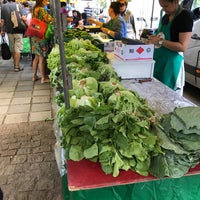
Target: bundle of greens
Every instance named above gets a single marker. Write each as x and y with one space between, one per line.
179 137
83 60
114 129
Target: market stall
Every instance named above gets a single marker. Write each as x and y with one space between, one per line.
85 179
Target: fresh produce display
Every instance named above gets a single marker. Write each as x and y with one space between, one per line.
76 33
105 122
179 137
82 34
83 60
109 124
115 133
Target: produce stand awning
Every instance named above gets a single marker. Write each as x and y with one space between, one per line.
86 174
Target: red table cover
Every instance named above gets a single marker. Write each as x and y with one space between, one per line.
85 174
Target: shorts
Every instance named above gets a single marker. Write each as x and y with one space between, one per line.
16 42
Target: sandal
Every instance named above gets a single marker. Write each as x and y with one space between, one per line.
46 80
35 78
17 69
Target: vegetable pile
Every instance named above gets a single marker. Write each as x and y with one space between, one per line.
71 34
115 132
109 124
105 123
83 60
179 137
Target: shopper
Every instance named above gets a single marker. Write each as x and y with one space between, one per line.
76 18
40 47
172 38
115 28
84 18
88 10
15 35
129 18
63 9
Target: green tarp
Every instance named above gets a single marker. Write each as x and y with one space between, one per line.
184 188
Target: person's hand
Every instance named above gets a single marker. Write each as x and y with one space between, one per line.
104 30
24 18
2 33
153 39
91 20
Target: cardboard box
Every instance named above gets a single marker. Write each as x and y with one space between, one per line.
109 46
137 69
133 52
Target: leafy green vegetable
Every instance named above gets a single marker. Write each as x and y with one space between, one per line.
105 122
179 138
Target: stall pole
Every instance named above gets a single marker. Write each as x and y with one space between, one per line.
66 76
152 13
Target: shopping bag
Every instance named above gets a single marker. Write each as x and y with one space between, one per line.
5 50
17 20
36 28
26 45
49 32
5 38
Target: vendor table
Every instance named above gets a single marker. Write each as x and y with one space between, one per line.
86 180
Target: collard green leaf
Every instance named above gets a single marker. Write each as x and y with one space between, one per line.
168 144
91 152
189 115
76 153
142 167
90 121
108 169
168 165
103 123
138 150
118 163
176 123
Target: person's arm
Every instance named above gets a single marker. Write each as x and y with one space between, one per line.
108 32
93 21
181 45
116 31
181 33
2 27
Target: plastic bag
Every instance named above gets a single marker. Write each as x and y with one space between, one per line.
5 50
49 32
26 45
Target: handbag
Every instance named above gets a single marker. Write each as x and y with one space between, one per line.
36 27
5 50
18 24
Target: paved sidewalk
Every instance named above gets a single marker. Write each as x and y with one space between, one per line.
28 169
22 100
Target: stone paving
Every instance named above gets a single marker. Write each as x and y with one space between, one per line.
22 100
28 169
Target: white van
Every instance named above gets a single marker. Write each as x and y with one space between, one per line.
192 54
